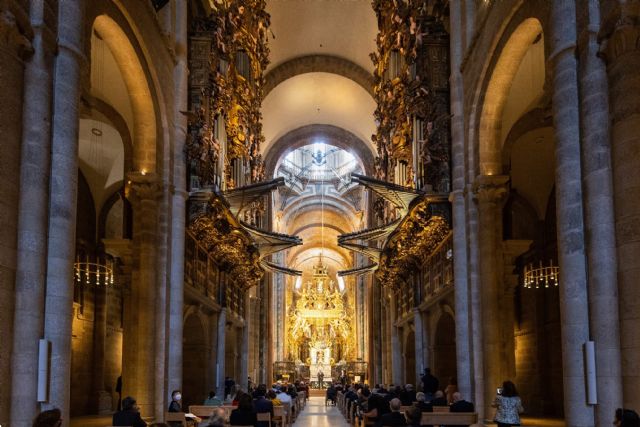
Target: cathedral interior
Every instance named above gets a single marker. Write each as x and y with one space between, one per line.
319 191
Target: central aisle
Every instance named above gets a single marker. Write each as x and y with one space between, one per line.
315 414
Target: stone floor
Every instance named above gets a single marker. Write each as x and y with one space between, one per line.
315 414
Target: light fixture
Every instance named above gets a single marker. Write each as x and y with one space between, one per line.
541 276
341 283
95 272
298 282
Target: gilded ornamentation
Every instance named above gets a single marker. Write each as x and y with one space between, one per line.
229 84
411 245
229 246
411 89
319 319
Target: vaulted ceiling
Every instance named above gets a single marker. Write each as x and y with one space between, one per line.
319 74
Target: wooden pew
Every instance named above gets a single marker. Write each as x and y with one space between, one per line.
449 418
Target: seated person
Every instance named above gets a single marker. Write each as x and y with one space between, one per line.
50 418
244 414
331 394
460 405
212 400
271 395
129 416
262 405
408 395
394 418
376 407
421 406
439 399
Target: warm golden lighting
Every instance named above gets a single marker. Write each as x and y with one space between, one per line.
98 272
541 275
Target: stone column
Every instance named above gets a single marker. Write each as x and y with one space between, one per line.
475 297
396 349
490 193
101 398
178 203
62 202
419 331
462 304
620 33
244 349
14 49
33 220
597 180
511 250
574 309
220 354
139 367
457 198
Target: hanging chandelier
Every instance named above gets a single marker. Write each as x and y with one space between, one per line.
541 276
95 272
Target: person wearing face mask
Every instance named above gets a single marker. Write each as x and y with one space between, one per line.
129 415
176 398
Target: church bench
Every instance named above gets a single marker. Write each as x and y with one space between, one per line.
449 418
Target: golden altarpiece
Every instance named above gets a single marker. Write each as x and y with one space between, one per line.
320 334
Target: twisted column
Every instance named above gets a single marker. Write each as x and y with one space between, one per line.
490 192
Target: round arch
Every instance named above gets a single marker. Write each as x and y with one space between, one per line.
318 64
497 92
128 61
306 135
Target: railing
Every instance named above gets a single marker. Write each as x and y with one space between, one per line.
202 274
436 277
437 272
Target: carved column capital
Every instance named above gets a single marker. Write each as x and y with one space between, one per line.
623 39
491 189
15 34
142 187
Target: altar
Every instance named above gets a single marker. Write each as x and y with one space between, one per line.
320 363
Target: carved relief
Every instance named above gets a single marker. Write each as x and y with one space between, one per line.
412 244
229 54
411 85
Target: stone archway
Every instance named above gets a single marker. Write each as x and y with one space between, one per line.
444 349
497 92
144 132
194 367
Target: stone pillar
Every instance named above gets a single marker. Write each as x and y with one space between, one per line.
464 366
33 219
14 49
597 180
419 331
490 192
396 348
475 297
574 309
244 349
620 33
139 368
101 398
220 354
268 337
62 203
178 203
511 250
